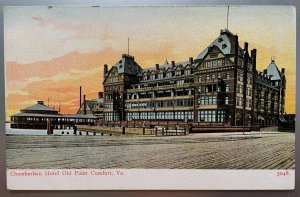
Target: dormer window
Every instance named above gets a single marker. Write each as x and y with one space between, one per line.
220 40
120 67
177 73
224 46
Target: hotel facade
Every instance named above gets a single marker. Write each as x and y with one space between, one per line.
220 85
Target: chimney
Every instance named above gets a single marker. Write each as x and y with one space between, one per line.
80 97
191 60
105 69
84 105
246 46
100 95
235 47
282 70
156 66
173 63
40 102
253 54
265 71
128 56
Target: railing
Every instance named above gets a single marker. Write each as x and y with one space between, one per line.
209 81
162 123
174 86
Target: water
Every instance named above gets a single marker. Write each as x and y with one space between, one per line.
13 131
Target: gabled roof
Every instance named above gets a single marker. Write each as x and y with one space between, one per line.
273 71
128 65
223 42
90 104
219 42
39 107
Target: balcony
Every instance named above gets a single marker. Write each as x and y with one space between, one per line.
157 88
211 81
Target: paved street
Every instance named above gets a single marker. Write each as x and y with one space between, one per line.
255 150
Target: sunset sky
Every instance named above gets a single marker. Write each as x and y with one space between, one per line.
50 52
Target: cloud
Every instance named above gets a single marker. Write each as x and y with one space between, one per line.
78 31
41 21
18 92
57 79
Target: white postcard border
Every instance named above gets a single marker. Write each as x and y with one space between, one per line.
149 179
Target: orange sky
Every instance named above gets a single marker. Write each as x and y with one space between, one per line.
49 53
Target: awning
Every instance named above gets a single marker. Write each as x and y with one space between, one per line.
260 117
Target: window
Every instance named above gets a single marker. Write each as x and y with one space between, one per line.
219 62
220 40
200 79
226 100
240 63
214 55
208 100
227 88
111 116
239 101
160 76
249 80
224 46
200 89
178 73
221 116
219 75
179 115
240 76
207 77
180 82
207 116
239 89
208 64
214 63
187 72
227 75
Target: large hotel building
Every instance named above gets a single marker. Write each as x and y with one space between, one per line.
220 85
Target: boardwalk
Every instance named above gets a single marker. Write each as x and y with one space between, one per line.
256 150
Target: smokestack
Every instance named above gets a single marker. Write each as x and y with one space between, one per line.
80 97
84 105
173 63
246 46
157 66
105 69
191 60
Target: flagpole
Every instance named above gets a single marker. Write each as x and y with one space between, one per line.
227 16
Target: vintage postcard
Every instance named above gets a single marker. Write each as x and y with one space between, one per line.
150 98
